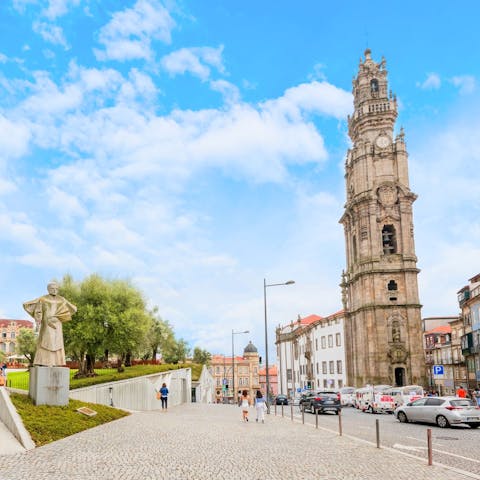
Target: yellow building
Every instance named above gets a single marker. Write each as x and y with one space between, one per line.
242 370
9 332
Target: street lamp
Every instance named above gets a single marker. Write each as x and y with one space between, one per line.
290 282
233 364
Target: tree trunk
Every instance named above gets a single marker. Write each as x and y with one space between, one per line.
90 364
128 359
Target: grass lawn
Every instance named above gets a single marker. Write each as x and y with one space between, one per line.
47 423
20 379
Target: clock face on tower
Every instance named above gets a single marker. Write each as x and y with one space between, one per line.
382 141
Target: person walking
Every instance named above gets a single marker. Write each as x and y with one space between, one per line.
245 404
260 406
476 396
461 392
164 396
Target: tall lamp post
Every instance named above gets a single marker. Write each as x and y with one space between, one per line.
265 286
233 365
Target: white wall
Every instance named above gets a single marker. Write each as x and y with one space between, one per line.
139 393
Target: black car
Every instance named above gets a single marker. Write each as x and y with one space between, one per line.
281 400
323 401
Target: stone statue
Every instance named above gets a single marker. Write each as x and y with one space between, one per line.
49 312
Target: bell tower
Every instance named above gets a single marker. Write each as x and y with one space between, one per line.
383 336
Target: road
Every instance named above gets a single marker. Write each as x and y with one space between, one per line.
456 447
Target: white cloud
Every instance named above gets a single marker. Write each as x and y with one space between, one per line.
58 8
465 83
196 61
229 91
14 138
51 33
129 33
432 82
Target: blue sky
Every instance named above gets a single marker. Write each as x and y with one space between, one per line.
197 148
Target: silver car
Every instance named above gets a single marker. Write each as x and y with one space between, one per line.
444 411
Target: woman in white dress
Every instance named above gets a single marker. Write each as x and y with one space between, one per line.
245 404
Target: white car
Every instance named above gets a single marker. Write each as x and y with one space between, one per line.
444 411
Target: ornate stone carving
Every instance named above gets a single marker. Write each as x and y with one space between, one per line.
387 195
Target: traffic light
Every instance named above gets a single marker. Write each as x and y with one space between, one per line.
226 386
309 385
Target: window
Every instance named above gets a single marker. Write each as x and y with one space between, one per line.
389 240
338 340
330 341
339 366
324 342
217 370
392 285
325 384
324 368
4 334
374 86
289 374
316 344
331 366
340 383
317 368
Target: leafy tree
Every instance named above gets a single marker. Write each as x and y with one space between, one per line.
111 317
176 351
26 344
160 335
201 356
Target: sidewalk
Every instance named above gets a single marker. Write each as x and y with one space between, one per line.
205 442
8 443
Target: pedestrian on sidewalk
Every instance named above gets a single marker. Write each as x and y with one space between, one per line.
461 392
164 396
260 406
245 404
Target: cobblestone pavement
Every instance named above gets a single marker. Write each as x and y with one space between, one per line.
197 442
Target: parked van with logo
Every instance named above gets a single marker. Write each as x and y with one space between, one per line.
406 394
373 399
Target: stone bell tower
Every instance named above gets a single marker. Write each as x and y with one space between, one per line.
383 336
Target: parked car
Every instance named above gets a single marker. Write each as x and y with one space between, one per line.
444 411
323 401
281 400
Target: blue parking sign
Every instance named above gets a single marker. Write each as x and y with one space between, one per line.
438 369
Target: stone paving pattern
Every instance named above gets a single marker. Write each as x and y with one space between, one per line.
198 441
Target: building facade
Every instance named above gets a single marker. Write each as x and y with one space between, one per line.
383 330
246 370
272 380
9 330
311 354
469 301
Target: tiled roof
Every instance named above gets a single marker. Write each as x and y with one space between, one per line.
272 370
440 329
310 319
20 323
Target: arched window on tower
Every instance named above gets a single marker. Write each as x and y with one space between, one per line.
389 240
354 243
374 86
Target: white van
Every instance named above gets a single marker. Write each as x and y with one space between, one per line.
374 399
347 396
406 394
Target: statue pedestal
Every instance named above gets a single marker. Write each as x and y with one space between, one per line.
49 385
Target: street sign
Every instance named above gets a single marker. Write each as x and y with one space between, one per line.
224 381
438 370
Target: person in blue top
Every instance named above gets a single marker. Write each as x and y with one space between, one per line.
164 396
